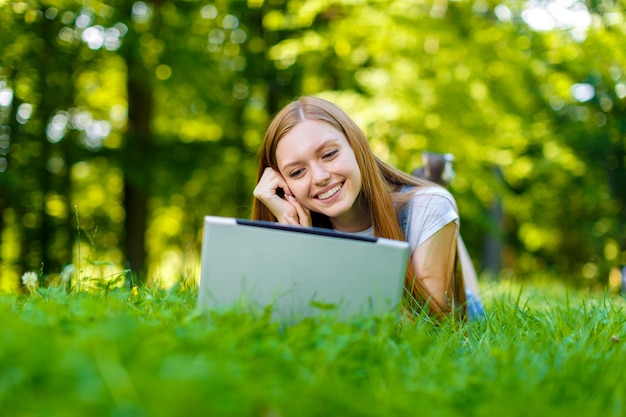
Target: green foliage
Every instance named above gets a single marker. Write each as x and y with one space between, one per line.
146 115
150 352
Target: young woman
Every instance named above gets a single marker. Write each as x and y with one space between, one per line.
316 169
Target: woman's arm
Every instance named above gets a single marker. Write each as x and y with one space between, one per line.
433 264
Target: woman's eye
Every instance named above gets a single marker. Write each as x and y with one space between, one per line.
296 173
330 154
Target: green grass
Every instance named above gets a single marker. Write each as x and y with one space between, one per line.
115 353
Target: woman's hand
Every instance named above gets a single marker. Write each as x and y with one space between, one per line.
281 203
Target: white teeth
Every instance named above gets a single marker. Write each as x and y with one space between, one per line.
329 193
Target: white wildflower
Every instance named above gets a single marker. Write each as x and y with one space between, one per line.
30 279
68 272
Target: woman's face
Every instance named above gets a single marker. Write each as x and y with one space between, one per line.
320 168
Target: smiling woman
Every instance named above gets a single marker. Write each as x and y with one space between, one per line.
316 169
321 174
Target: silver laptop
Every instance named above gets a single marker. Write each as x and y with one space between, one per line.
298 272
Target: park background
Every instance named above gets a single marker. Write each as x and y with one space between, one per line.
123 123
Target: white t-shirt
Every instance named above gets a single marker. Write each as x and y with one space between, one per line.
431 209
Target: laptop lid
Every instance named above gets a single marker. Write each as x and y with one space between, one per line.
299 272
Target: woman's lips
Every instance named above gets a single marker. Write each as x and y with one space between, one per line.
331 192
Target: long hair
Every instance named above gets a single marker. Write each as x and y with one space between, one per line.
381 183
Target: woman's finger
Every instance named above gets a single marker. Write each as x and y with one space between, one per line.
290 219
304 214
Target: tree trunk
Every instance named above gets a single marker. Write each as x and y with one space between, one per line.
492 252
136 154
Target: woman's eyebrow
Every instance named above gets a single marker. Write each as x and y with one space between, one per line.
324 144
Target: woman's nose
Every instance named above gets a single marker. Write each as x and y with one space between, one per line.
320 175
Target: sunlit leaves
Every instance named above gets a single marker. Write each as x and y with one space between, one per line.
197 129
534 118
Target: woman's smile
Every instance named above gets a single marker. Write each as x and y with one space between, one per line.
329 193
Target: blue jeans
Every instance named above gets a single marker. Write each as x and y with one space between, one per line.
475 308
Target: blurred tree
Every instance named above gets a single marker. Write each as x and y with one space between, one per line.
590 120
140 52
138 118
36 67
